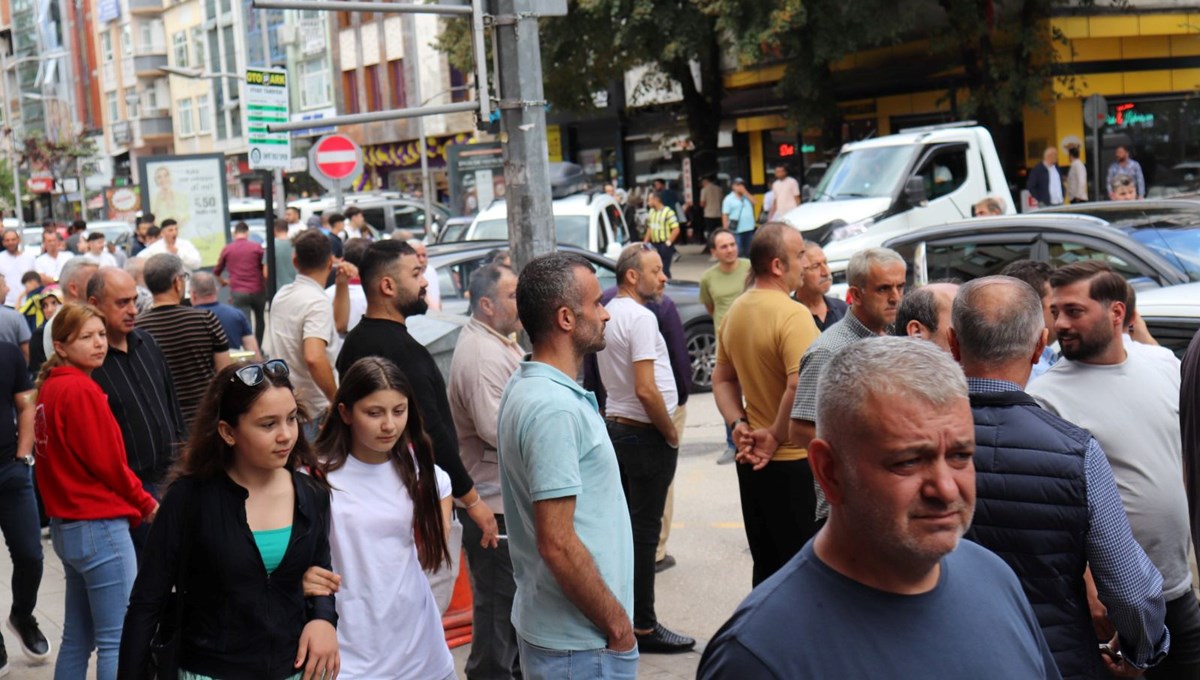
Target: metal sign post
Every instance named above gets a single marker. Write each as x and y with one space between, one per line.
267 104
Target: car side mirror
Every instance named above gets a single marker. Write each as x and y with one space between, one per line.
914 191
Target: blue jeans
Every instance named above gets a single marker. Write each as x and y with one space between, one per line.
539 663
743 239
98 558
22 533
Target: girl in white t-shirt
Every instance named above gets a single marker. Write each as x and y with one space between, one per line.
390 512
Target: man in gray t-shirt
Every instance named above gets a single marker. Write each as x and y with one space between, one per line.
13 327
1131 406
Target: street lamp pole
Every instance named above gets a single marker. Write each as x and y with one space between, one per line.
12 136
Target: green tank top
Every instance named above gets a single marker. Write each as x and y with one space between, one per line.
272 544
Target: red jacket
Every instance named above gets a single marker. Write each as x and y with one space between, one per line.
82 471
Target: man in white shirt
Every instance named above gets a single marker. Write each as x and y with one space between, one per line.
295 226
1076 177
786 190
433 291
13 265
636 371
171 242
50 263
97 251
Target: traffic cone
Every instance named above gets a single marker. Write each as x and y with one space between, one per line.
459 615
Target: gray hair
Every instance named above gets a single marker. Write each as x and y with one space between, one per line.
629 260
887 366
134 266
1120 180
160 272
861 262
997 319
203 284
921 305
77 271
484 282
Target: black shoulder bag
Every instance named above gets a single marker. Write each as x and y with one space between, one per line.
164 646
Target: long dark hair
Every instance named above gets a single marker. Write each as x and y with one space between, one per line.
227 399
367 376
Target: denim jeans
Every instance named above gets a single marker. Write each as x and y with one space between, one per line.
743 239
252 305
647 466
22 533
494 653
98 559
539 663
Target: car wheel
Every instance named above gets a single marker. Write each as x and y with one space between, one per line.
702 351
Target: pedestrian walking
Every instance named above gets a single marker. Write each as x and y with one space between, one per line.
13 265
899 594
90 494
662 229
876 277
285 271
192 340
737 214
786 192
243 259
173 244
641 401
390 516
485 358
303 333
18 506
1124 165
1045 181
711 199
569 531
719 287
394 281
1130 404
925 313
234 321
1047 502
759 346
814 289
1076 177
239 526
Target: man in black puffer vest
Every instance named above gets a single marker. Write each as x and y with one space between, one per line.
1046 500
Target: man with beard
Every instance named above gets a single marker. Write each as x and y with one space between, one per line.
569 531
642 397
887 589
876 277
393 279
485 358
1130 404
813 291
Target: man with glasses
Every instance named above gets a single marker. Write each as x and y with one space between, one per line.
814 289
192 340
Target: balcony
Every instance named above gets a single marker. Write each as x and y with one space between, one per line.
148 65
156 126
145 7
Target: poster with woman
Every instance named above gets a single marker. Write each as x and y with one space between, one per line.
190 190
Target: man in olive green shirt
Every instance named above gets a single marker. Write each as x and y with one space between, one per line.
719 287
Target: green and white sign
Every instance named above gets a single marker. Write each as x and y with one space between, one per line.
267 103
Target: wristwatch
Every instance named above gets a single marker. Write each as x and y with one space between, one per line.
734 424
27 461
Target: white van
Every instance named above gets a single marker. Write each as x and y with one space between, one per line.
594 222
880 188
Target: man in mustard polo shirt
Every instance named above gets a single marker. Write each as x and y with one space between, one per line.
759 346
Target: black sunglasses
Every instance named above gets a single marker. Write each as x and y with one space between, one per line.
254 374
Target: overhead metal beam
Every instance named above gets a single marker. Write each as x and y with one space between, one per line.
347 6
373 117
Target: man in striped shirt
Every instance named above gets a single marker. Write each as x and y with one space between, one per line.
662 229
192 340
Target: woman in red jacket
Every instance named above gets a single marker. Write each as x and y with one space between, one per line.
91 495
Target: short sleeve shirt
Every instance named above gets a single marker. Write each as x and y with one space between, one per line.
720 289
763 338
787 195
13 327
233 320
14 379
189 338
631 335
740 211
554 444
300 310
51 266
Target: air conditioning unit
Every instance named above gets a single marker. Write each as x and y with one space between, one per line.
287 34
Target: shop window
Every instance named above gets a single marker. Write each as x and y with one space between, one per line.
374 96
350 90
399 86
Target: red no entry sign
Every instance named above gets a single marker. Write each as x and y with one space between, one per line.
337 158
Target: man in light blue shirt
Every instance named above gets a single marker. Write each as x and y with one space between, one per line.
737 214
569 532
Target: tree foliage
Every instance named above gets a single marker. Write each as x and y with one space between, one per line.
64 157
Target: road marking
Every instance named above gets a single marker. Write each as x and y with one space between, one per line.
729 525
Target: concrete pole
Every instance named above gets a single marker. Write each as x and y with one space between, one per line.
412 77
523 131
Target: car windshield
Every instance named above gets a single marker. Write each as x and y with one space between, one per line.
569 229
1180 246
865 173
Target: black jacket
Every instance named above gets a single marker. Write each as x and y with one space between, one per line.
239 621
1039 183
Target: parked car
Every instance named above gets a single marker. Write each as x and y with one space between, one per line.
454 229
984 246
385 211
456 262
593 222
1172 315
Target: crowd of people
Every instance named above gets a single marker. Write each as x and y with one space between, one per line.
274 496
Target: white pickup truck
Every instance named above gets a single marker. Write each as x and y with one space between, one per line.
880 188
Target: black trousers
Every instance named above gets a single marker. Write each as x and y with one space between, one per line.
1183 660
667 253
647 465
779 506
711 224
19 524
494 651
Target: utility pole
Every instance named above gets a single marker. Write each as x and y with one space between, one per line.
412 82
523 126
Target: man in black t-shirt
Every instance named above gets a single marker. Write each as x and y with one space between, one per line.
394 282
18 507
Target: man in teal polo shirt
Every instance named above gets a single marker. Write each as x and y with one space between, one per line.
569 533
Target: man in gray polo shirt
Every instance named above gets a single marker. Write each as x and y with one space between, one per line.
876 277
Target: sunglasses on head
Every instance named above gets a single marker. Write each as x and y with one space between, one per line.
253 374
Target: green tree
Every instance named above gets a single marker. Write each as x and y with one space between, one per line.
7 200
62 158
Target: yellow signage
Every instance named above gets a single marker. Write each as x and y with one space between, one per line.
554 143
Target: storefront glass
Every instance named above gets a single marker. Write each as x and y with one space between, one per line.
1163 136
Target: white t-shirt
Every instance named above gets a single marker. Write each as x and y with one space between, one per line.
433 289
104 259
358 303
787 195
51 266
632 335
13 267
186 251
388 623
